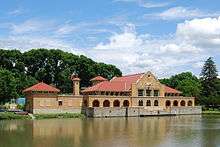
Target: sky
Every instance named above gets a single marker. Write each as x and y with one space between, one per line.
163 36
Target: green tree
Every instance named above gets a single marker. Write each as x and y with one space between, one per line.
7 86
186 82
210 84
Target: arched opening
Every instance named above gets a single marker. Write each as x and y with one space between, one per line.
116 103
85 103
126 103
189 103
148 103
175 103
156 103
140 103
168 103
95 103
182 103
106 103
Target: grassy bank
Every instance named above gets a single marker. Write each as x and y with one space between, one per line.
211 112
11 115
58 115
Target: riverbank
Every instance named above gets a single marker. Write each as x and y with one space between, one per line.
59 115
11 116
210 112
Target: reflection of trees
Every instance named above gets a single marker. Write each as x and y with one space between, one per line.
132 131
15 133
210 134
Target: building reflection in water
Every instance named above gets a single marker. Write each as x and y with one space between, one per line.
148 131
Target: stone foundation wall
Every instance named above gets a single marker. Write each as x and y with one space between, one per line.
51 111
135 111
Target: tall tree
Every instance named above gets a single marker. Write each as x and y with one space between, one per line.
7 86
210 83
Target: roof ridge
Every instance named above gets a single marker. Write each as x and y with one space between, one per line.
131 75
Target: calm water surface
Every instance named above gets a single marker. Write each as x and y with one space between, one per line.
180 131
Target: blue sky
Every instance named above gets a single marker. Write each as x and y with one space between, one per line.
166 37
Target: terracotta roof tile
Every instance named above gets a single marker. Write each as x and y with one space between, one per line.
171 90
116 84
98 78
41 87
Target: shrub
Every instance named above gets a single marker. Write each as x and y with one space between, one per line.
59 115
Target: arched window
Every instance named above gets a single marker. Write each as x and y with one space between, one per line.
95 103
182 103
126 103
106 103
189 103
148 103
168 103
156 103
175 103
116 103
140 103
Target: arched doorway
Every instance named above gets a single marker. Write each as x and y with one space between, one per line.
116 103
168 103
189 103
140 103
106 103
148 103
156 103
126 103
175 103
95 103
182 103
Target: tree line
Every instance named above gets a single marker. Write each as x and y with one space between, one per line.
206 88
20 70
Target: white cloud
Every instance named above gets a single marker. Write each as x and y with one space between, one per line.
186 49
30 26
25 43
204 33
16 12
181 13
153 5
149 4
66 29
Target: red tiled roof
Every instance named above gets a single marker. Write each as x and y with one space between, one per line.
98 78
171 90
116 84
41 87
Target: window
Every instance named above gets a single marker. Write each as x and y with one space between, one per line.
148 92
60 103
140 103
140 92
156 103
156 92
148 103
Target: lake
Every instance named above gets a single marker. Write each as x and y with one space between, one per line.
165 131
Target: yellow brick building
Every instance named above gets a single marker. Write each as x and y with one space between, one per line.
137 94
